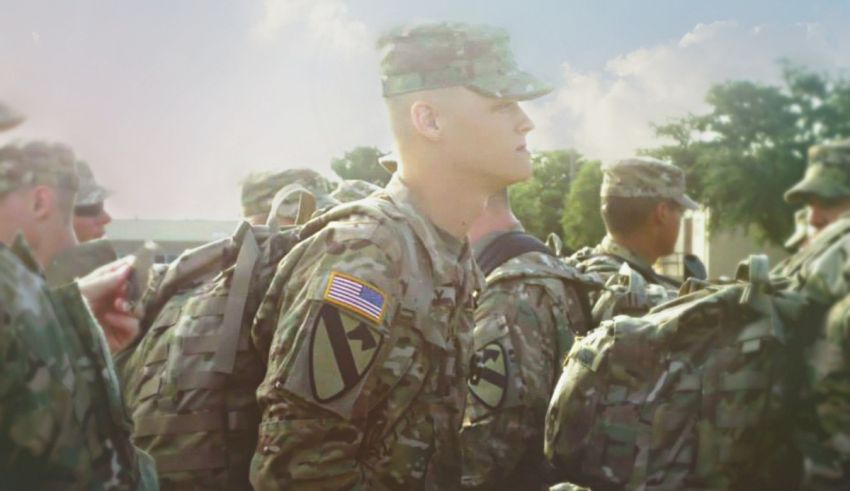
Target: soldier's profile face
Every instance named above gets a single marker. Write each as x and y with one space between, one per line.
823 212
487 136
90 224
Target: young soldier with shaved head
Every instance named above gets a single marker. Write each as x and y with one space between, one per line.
368 323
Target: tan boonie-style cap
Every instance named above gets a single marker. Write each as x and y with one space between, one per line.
441 55
37 163
827 175
645 177
90 192
259 189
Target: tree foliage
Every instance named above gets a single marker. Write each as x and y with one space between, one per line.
581 221
361 163
751 146
539 201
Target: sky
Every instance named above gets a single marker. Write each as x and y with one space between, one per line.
173 102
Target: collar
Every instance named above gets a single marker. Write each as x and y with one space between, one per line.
22 250
444 251
488 239
611 246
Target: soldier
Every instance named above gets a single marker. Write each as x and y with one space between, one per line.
368 323
90 220
259 190
524 326
62 425
642 204
90 216
802 231
819 271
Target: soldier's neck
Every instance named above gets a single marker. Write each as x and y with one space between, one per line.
450 202
643 246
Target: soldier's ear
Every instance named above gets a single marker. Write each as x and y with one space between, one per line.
423 117
42 202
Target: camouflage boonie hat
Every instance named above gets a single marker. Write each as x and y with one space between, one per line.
436 56
353 190
90 192
259 189
827 175
37 163
9 118
645 177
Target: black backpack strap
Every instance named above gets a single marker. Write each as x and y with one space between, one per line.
506 247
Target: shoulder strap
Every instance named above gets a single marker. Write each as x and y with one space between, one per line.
508 246
648 272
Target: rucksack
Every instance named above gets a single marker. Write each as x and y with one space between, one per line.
192 378
694 395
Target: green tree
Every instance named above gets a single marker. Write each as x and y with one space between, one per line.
751 146
539 201
361 163
581 221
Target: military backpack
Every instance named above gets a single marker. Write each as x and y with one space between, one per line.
694 395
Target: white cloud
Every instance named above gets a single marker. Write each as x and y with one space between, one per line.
607 113
328 22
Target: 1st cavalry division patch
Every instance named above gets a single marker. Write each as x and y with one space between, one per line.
488 381
342 348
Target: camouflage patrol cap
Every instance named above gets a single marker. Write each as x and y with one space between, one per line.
440 55
827 175
9 118
90 192
37 163
353 190
645 177
259 189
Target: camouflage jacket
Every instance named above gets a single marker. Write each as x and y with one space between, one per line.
62 423
826 443
524 325
645 288
368 329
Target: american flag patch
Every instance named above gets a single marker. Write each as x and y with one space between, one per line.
356 295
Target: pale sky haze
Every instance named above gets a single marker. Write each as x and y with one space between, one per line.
174 101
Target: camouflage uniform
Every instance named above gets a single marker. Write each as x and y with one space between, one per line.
523 328
259 190
639 177
368 323
62 424
819 270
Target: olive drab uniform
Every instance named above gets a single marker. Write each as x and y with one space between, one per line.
62 422
525 322
368 330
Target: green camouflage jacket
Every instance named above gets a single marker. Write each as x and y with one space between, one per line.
62 423
524 325
368 330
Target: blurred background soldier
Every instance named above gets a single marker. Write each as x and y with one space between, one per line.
259 190
353 190
524 324
643 200
90 216
802 231
62 424
90 220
